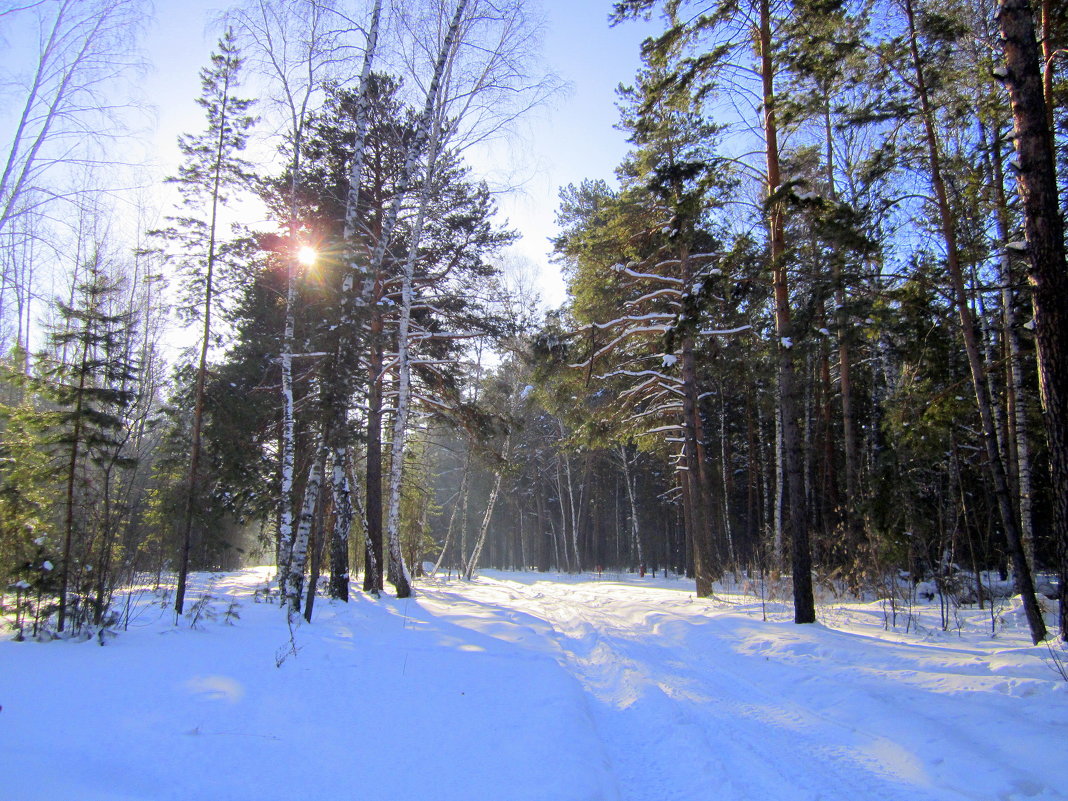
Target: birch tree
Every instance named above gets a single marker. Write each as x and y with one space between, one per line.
67 113
65 110
297 46
425 145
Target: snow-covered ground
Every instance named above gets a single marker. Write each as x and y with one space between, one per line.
518 687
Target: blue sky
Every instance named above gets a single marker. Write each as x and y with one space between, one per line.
571 140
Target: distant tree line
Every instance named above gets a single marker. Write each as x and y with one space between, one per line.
804 333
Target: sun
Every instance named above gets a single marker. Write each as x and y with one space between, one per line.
307 255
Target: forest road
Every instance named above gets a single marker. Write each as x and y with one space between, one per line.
702 707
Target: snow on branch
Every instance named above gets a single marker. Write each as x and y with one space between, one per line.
669 407
640 374
674 389
639 388
668 427
665 292
640 329
716 332
634 318
432 402
626 270
420 337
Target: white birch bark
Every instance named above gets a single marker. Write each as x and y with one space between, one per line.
299 559
634 528
426 139
339 484
472 563
341 492
274 30
285 516
461 497
333 423
363 120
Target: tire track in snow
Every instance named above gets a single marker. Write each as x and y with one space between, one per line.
692 701
676 729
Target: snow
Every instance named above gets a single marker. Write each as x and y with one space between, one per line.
532 686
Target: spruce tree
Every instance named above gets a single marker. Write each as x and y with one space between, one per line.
89 393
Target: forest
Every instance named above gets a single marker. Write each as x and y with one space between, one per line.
816 329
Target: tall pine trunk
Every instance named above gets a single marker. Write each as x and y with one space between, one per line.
796 518
1021 570
1044 231
202 372
373 551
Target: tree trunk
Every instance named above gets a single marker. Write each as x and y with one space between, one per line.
1044 231
705 564
635 529
72 467
202 368
341 492
373 557
472 563
1024 583
305 520
796 519
461 497
1017 396
426 143
315 547
337 390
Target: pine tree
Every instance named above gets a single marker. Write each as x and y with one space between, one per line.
1048 267
211 169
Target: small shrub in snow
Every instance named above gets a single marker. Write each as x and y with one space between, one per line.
231 614
1058 657
200 610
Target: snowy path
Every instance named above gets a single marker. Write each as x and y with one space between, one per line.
690 703
519 688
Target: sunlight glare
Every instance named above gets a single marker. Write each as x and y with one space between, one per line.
307 255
